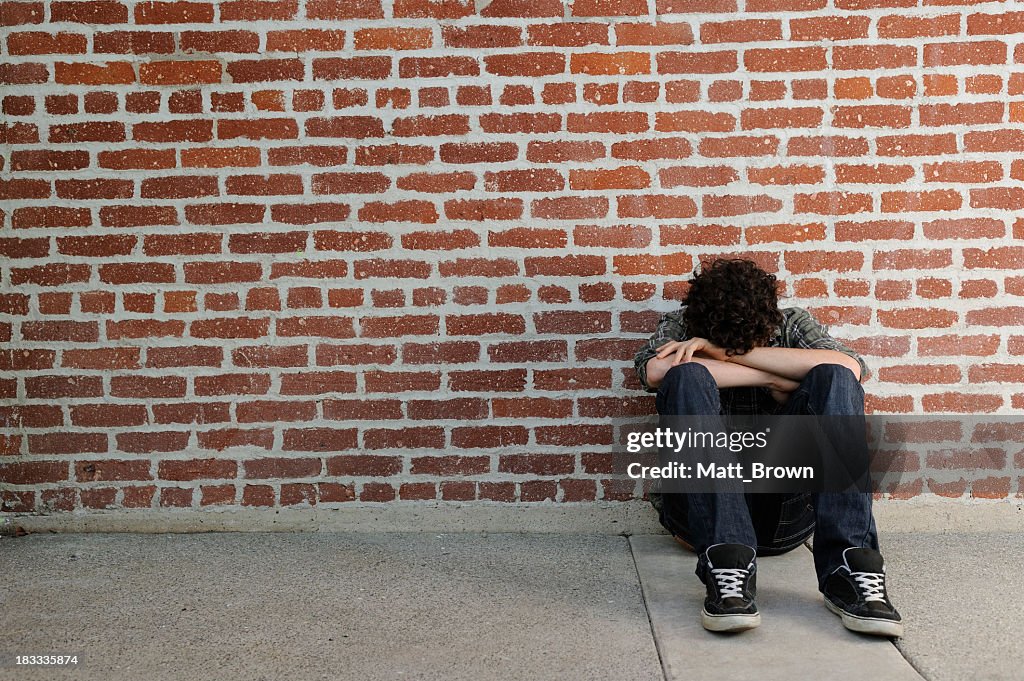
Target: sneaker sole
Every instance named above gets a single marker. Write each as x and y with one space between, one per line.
729 622
866 625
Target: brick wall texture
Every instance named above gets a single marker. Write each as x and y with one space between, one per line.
289 253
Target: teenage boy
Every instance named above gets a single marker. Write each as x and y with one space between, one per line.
730 349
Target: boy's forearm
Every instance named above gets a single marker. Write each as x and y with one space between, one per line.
726 374
793 363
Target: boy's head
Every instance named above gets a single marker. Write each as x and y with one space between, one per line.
734 304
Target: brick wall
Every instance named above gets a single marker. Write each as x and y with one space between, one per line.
277 253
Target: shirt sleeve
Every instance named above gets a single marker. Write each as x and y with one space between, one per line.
808 332
670 327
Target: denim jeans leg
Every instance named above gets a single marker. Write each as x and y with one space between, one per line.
842 519
689 389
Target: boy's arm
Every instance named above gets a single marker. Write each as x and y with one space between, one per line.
809 345
726 374
670 327
794 363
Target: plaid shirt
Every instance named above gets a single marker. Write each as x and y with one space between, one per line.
799 330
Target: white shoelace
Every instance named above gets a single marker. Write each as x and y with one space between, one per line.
730 581
872 585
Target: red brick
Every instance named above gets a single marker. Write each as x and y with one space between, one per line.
872 116
740 31
974 113
25 248
258 495
354 353
917 318
800 262
758 234
860 57
739 146
785 59
443 240
68 443
173 12
91 471
896 26
255 129
374 465
920 374
59 330
974 52
420 437
319 439
1002 258
216 495
827 146
832 203
537 464
563 34
721 61
996 373
577 434
180 72
40 42
829 28
101 358
484 323
298 494
927 201
330 492
18 13
96 12
376 491
456 408
448 352
538 490
135 216
1004 198
220 41
344 9
305 40
325 326
510 380
497 491
913 259
148 442
400 381
265 70
571 379
336 68
730 205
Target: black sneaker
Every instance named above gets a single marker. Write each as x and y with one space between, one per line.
856 592
731 585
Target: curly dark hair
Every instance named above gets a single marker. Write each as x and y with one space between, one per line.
734 304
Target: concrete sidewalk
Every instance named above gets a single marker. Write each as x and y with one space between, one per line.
798 636
480 606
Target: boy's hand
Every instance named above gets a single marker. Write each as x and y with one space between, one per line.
780 388
684 351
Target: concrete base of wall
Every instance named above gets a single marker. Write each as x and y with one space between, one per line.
923 514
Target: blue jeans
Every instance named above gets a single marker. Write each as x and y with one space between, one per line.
840 520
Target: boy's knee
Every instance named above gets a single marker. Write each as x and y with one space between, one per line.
834 388
835 374
688 388
690 374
